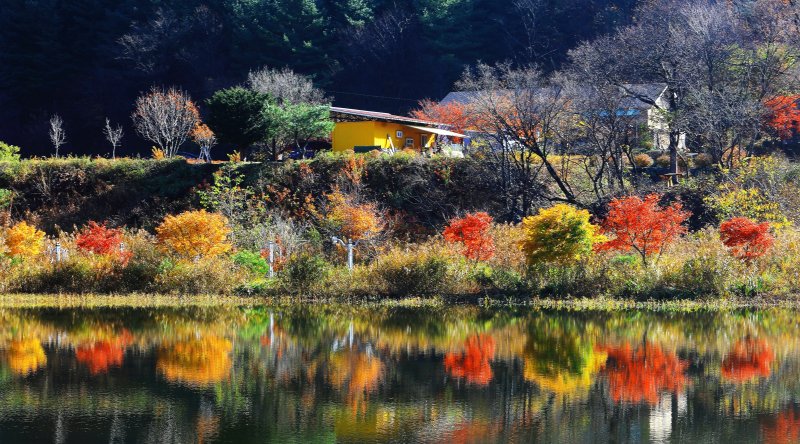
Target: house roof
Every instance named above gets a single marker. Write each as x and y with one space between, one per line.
348 114
635 95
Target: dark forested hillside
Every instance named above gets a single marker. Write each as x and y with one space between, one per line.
88 59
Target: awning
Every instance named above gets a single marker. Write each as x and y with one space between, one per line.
438 131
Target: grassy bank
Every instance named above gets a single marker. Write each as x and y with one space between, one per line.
414 220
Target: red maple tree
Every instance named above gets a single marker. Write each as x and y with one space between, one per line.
456 116
747 359
639 374
784 115
99 239
746 240
642 225
472 231
473 363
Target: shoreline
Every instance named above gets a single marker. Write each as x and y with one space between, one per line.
14 301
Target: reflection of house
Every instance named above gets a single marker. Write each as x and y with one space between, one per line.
644 103
367 130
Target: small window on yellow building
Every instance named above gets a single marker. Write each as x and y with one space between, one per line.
409 142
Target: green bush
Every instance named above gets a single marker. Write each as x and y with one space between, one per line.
413 273
252 262
303 272
8 153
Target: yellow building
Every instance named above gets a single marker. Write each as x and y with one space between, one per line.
367 130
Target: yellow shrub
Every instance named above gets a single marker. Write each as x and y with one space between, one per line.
195 234
559 234
23 240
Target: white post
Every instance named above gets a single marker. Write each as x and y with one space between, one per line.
271 257
58 252
350 255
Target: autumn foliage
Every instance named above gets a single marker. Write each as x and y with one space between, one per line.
26 356
746 240
642 225
23 240
747 359
99 356
559 234
352 220
472 231
473 363
196 362
782 429
784 115
456 115
99 239
195 234
637 375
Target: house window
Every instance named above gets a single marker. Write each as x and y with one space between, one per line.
399 134
423 140
409 142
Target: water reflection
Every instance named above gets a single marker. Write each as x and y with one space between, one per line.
328 373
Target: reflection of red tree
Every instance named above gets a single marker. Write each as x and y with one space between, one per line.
473 363
783 428
638 375
748 359
101 355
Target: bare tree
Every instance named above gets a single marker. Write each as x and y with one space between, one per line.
165 117
58 137
524 115
286 87
114 137
720 63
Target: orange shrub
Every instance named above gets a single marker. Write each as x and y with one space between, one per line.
195 234
746 240
472 231
351 220
642 225
23 240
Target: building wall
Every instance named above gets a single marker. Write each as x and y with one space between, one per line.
347 135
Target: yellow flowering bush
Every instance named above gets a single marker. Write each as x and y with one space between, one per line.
195 234
23 240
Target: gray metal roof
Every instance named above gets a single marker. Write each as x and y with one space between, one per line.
635 95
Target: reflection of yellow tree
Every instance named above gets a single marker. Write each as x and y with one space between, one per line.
354 373
26 356
196 362
561 358
563 381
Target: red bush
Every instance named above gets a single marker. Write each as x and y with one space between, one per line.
642 225
747 240
99 239
472 231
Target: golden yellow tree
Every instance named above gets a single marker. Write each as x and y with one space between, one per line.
23 240
194 234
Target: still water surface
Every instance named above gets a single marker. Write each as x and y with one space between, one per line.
343 374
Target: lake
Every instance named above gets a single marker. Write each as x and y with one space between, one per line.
326 373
